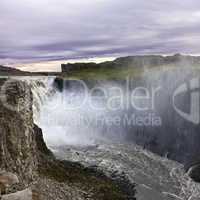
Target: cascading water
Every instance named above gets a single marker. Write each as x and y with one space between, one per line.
42 92
73 116
87 114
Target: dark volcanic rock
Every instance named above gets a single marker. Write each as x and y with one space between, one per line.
41 145
192 167
59 83
194 172
8 71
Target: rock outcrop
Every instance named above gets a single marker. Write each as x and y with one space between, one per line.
7 180
26 194
194 172
17 139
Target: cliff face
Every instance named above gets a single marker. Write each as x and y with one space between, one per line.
17 140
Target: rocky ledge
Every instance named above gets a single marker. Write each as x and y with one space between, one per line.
29 170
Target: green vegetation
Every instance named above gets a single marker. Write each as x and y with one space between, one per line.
116 73
103 73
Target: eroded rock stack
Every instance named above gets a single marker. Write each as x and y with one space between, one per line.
17 140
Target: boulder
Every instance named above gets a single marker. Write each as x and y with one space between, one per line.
7 179
194 172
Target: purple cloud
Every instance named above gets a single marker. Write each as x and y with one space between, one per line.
58 29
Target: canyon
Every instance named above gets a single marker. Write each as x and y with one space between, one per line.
47 145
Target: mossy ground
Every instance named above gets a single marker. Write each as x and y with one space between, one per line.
118 73
103 73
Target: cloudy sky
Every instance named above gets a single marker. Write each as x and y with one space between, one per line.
32 31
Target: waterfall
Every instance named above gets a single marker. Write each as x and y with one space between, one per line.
42 91
71 116
68 118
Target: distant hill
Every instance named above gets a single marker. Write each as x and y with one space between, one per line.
7 69
119 67
132 66
10 71
135 62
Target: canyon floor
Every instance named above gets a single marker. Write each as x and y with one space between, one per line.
156 178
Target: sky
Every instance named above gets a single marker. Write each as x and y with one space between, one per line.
40 32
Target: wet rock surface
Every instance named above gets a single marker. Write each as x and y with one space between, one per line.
194 172
155 177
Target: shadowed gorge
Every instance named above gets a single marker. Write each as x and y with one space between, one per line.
76 129
159 76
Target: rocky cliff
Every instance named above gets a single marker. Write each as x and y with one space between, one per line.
17 139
